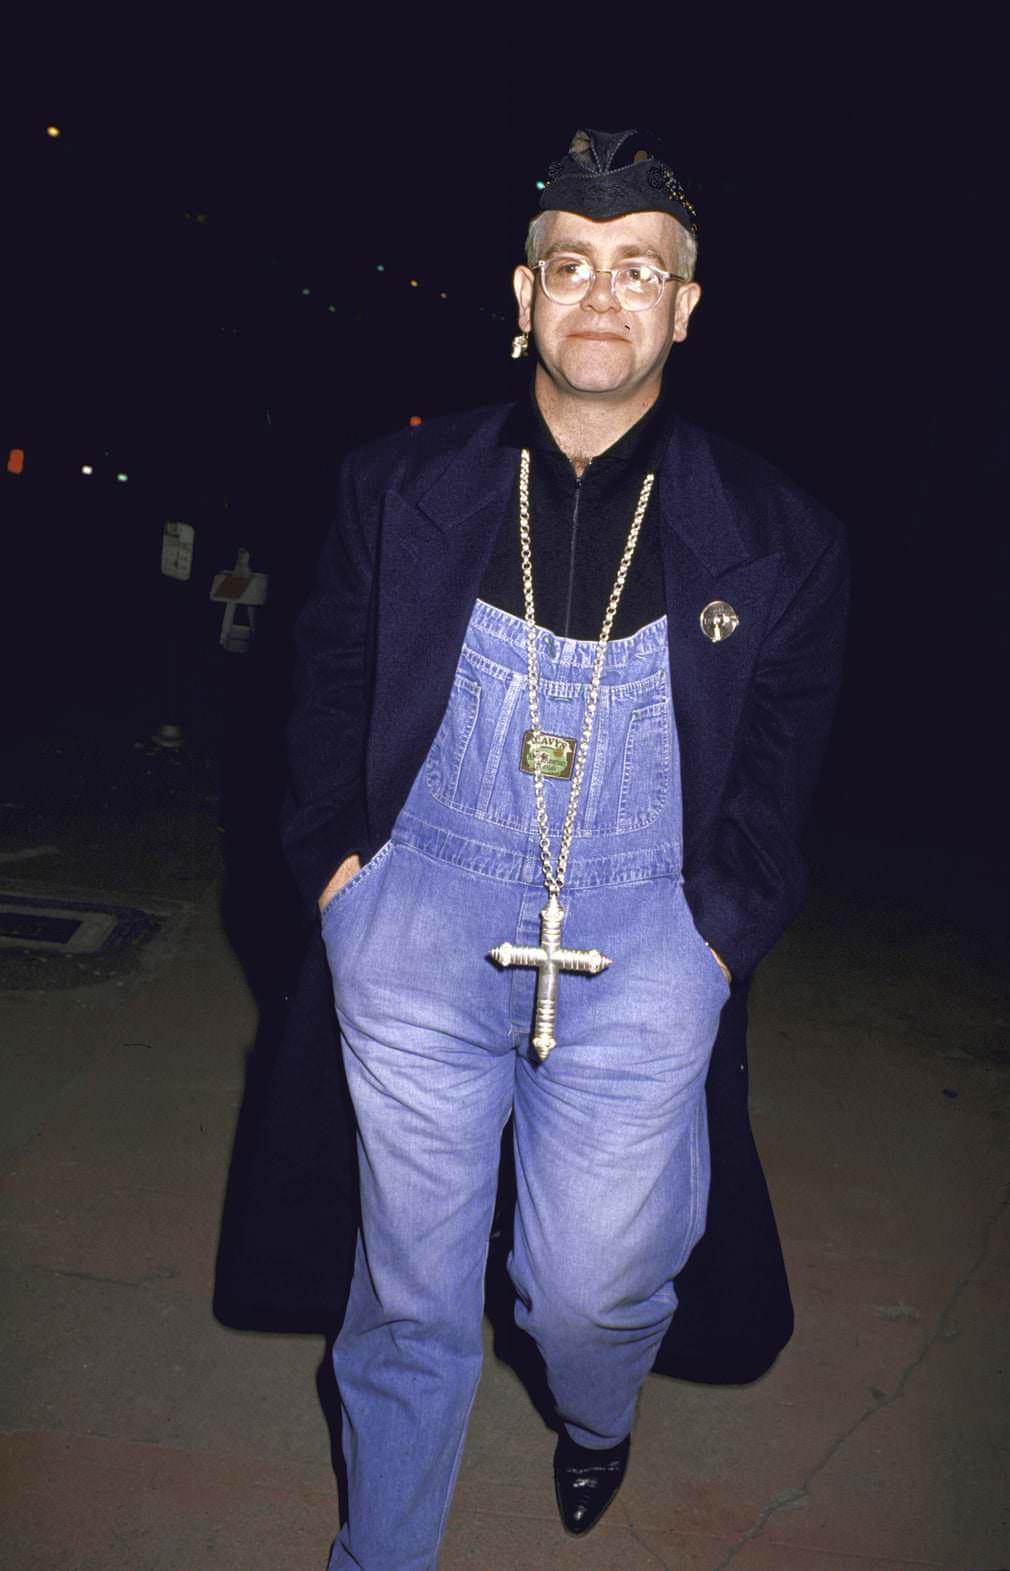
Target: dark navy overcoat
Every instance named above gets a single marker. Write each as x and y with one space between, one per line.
378 642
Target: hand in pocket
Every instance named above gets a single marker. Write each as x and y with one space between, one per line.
345 872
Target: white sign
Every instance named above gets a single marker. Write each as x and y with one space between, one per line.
177 549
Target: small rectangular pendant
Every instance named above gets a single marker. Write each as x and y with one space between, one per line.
557 755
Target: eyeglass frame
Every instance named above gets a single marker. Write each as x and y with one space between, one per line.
660 272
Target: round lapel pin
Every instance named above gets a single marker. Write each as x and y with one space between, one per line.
718 621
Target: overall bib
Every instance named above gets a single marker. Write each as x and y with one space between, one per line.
611 1149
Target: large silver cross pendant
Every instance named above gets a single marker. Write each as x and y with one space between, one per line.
550 960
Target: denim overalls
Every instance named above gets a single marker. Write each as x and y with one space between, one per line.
611 1149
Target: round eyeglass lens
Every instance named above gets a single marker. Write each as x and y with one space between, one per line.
637 288
566 279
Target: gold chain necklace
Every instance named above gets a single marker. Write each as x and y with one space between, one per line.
550 957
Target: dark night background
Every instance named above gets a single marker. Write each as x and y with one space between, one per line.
196 301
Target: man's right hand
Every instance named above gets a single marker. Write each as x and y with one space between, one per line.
345 872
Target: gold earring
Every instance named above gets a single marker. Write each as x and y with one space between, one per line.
521 346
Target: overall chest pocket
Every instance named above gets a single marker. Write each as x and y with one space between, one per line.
473 764
443 767
631 762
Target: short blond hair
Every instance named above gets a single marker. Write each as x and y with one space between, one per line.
687 245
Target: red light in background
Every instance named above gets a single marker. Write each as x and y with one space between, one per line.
416 420
16 461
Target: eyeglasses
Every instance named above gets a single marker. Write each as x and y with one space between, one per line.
637 286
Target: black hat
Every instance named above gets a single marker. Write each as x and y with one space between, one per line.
592 181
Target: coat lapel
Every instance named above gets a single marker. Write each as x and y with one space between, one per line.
432 556
706 558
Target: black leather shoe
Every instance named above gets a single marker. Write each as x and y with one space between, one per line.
587 1481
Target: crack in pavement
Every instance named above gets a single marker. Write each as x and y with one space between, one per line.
944 1331
149 1278
652 1553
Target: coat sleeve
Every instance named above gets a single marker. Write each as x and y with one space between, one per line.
324 817
749 881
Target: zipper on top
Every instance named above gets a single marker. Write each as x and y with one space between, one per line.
572 542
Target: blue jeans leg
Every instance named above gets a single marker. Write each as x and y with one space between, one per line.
432 1091
611 1151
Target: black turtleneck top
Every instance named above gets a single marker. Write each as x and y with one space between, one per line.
579 527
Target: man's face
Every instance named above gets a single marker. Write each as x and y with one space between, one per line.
595 348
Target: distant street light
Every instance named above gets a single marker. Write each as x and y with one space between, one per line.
53 130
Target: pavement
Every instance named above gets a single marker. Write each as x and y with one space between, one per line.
139 1434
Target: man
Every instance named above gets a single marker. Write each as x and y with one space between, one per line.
565 682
